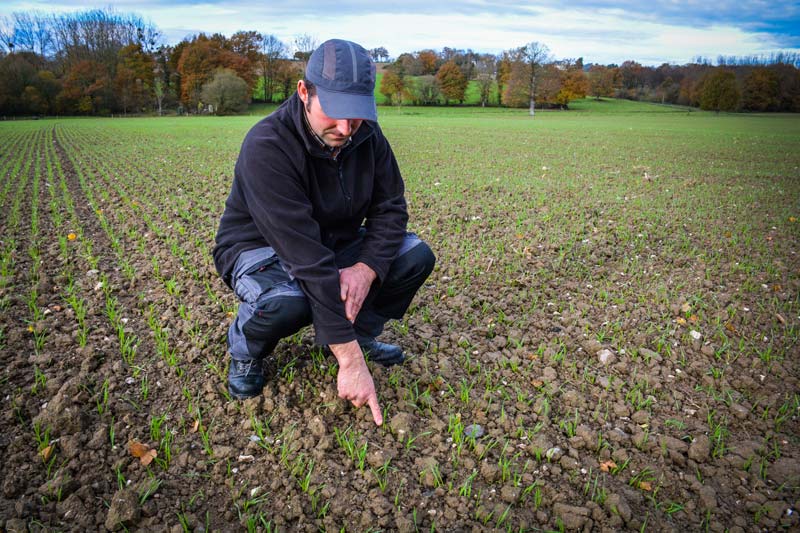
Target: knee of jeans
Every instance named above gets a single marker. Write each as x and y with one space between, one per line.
281 314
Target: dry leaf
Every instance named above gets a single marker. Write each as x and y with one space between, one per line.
196 426
686 307
47 453
646 485
681 321
606 466
143 452
780 318
56 308
537 383
693 319
730 327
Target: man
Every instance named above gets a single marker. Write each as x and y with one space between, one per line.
291 243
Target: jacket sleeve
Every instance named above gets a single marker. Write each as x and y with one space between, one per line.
282 213
387 215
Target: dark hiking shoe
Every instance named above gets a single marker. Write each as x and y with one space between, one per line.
382 353
246 378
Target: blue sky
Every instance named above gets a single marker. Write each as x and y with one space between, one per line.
600 31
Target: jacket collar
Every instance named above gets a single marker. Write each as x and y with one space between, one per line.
315 146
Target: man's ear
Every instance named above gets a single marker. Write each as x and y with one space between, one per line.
302 91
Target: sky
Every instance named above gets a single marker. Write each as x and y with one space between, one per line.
600 31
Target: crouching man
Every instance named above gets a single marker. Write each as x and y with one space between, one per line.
314 230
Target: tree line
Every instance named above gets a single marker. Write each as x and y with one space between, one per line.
100 62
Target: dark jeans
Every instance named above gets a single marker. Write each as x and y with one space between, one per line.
273 306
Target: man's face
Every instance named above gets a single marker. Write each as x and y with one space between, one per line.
334 132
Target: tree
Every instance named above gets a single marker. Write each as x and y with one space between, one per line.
227 92
534 54
425 90
719 91
485 66
286 76
198 62
760 90
601 81
451 82
428 60
392 87
134 79
272 50
304 45
85 87
379 54
504 65
574 85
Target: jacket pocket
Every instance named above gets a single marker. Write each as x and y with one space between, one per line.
260 280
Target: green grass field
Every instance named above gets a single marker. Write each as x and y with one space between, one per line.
616 304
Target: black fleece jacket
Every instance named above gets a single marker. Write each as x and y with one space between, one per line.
289 192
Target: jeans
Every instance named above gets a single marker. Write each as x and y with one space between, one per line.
273 306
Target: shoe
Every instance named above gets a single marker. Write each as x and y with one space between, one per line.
246 378
382 353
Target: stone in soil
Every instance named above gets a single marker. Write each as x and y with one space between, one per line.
124 510
786 470
571 516
700 449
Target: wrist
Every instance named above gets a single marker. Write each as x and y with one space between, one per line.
347 354
367 270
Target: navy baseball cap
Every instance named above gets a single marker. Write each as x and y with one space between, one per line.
344 77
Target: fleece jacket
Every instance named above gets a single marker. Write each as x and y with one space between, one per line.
306 202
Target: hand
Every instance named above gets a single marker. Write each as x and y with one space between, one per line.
354 285
354 382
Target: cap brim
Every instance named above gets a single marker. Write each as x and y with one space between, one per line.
347 106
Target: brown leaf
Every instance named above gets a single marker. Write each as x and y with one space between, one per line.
693 319
143 452
646 485
686 307
607 466
681 321
730 327
47 452
196 426
780 318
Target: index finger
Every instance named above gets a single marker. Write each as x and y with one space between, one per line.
375 408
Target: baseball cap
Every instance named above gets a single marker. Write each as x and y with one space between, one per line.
344 77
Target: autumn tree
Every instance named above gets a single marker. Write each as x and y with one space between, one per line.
760 90
574 85
428 60
86 88
287 74
198 62
504 66
452 82
133 82
601 81
719 91
392 87
528 61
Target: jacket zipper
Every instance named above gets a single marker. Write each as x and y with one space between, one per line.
344 189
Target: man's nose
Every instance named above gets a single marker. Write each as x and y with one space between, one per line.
344 127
